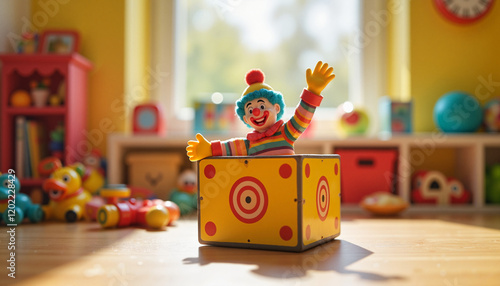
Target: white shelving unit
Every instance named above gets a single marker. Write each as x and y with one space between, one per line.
468 153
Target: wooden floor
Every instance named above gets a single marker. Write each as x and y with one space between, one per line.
445 250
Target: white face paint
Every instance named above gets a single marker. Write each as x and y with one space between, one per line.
261 114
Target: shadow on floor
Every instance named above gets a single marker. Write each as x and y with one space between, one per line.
332 256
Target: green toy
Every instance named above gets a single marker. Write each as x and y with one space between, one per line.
493 184
15 206
185 195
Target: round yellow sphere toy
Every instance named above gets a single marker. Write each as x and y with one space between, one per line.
157 217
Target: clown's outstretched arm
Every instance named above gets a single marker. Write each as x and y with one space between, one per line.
202 148
199 149
318 79
310 99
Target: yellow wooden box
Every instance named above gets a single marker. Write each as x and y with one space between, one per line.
289 203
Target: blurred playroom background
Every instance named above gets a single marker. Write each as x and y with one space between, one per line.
415 98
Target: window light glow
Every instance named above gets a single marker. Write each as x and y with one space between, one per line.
217 97
347 107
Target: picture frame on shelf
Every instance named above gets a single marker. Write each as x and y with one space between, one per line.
59 42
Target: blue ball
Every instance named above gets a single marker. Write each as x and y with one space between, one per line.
458 111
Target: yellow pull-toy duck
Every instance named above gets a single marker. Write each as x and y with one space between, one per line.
67 196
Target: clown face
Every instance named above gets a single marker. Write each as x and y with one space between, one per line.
261 114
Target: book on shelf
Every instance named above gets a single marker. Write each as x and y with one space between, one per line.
20 139
34 147
27 155
29 147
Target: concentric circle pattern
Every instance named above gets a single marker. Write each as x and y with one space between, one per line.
248 200
323 198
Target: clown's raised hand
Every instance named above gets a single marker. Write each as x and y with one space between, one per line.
318 79
199 149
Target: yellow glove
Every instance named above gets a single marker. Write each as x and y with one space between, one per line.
199 149
320 78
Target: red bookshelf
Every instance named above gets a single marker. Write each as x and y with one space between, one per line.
13 111
67 74
30 182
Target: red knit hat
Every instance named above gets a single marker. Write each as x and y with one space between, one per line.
255 80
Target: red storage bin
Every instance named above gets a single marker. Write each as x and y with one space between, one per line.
366 171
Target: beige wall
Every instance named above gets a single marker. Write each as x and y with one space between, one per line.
14 16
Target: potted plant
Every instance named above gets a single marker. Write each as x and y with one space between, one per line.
40 92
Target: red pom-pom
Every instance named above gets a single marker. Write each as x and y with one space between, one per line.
254 76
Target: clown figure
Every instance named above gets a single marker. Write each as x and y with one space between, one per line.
261 108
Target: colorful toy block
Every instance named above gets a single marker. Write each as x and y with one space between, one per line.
212 118
148 119
289 203
395 116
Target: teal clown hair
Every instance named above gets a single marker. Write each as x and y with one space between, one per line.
271 95
258 89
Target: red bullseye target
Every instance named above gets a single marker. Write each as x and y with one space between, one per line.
248 199
323 198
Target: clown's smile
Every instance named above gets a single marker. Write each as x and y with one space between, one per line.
261 120
260 114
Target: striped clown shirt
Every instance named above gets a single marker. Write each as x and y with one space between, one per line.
278 139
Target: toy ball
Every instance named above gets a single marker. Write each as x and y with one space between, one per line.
457 112
157 217
55 100
492 115
352 120
20 98
173 210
